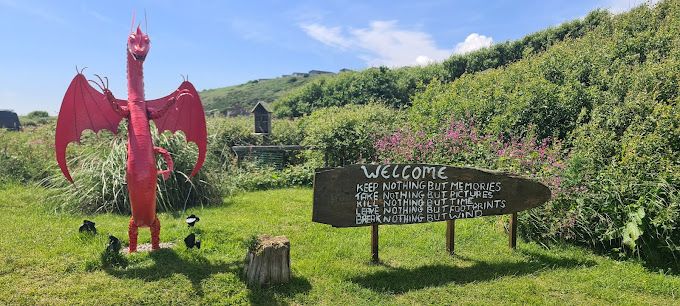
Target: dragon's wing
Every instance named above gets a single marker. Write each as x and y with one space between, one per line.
185 115
83 108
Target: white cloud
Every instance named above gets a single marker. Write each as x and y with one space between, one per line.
384 43
473 42
423 60
326 35
620 6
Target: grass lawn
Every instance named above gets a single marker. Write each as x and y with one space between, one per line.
43 260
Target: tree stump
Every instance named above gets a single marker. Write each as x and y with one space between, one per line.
268 261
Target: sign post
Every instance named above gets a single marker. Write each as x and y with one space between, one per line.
513 231
450 236
374 243
363 195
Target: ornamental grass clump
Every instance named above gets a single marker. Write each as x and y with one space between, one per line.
100 184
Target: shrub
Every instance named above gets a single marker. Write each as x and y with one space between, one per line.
225 132
542 93
461 143
27 156
286 132
346 134
36 118
251 176
377 85
38 114
629 183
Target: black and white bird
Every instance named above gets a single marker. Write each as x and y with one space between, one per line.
114 245
88 227
191 220
191 241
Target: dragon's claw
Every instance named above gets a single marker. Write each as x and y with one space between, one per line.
98 85
102 81
103 86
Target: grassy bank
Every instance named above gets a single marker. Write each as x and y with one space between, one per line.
43 260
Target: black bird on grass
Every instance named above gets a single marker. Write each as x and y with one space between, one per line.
114 245
191 220
191 241
88 226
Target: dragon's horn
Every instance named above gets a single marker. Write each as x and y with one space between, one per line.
132 25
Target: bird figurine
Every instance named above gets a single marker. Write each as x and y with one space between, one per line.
191 220
88 226
114 245
191 241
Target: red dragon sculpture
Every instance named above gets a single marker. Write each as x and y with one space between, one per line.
86 108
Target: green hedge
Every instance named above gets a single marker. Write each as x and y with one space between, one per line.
27 156
611 96
346 135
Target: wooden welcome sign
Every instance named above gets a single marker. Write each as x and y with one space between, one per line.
363 195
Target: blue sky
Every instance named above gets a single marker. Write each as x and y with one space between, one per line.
221 43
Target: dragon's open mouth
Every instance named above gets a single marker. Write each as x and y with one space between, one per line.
138 57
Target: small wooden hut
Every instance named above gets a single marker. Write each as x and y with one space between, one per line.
263 118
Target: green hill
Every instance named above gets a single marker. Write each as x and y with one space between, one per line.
239 99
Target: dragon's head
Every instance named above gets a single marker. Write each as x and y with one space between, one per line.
138 45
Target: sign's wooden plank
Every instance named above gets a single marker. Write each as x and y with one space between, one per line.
361 195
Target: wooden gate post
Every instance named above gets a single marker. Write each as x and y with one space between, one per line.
450 236
513 231
374 243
